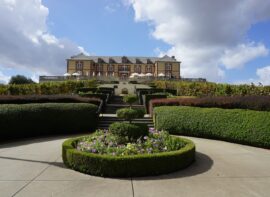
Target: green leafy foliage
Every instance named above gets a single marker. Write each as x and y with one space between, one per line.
130 99
234 125
28 120
129 114
127 165
20 79
129 131
200 89
46 88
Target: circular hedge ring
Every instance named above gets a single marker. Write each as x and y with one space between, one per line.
128 165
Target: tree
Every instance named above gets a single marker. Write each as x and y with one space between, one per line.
20 79
130 99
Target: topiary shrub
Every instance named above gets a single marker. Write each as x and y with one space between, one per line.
129 114
130 131
130 99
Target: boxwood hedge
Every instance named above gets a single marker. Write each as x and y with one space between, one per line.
233 125
127 166
27 120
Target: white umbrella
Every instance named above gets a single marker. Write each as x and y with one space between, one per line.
161 75
99 74
141 75
113 74
149 74
135 74
67 74
93 74
76 74
131 76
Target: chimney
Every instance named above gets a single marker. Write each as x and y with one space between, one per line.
173 57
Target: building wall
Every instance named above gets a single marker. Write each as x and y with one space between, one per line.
89 67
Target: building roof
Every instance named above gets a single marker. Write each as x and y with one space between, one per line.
120 59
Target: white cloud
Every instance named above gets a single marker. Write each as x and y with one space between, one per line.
203 34
4 79
264 75
26 42
237 57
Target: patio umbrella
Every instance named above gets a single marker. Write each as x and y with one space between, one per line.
161 75
76 74
67 74
93 74
135 74
149 74
141 75
99 74
131 76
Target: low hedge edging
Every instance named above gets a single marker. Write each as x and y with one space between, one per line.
127 166
234 125
28 120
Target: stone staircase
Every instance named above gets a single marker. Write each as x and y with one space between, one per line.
105 121
109 116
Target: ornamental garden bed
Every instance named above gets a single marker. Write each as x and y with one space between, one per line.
127 149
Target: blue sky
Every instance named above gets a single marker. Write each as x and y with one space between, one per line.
221 42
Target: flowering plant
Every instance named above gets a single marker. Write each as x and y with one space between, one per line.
104 142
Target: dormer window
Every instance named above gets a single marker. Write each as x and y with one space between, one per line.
124 60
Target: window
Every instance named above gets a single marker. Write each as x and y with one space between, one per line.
137 68
99 67
148 68
168 66
79 66
110 68
123 68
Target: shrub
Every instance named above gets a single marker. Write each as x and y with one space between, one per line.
26 99
127 166
27 120
131 131
20 79
234 125
129 114
130 99
46 88
260 103
200 89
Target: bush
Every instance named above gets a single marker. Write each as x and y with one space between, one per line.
25 99
200 89
131 131
46 88
259 103
127 166
130 99
129 114
233 125
27 120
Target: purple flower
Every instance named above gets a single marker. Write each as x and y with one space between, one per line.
93 150
145 137
152 130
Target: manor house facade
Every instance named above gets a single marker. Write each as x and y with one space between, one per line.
123 66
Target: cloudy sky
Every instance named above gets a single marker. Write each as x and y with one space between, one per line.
223 41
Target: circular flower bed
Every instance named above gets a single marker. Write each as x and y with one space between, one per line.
105 154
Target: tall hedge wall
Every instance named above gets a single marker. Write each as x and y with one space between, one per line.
234 125
26 120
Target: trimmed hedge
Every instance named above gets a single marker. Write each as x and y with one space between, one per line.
25 99
129 113
127 166
233 125
259 103
131 131
27 120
